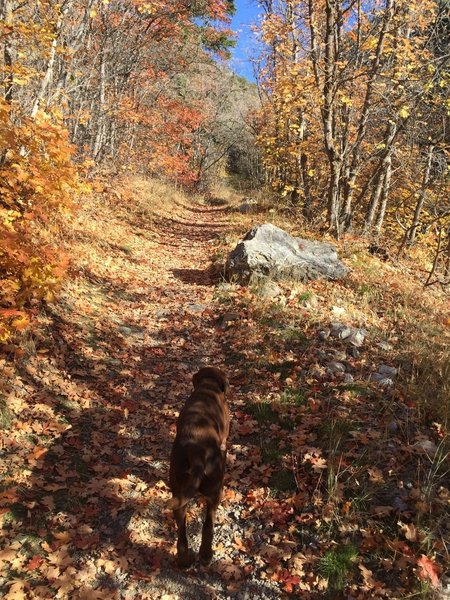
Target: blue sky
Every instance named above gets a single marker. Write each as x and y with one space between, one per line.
246 14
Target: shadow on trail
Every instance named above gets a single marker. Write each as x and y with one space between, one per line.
209 210
104 395
187 230
98 491
206 276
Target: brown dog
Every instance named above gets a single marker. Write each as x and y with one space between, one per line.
197 463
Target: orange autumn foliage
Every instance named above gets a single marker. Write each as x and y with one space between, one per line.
38 179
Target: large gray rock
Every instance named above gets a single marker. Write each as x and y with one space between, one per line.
267 250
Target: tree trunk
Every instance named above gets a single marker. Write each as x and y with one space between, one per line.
374 202
50 63
7 14
99 138
362 126
380 179
334 196
306 185
384 194
411 236
328 117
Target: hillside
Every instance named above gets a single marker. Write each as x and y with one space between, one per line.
334 486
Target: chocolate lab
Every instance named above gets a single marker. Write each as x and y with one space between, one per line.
197 463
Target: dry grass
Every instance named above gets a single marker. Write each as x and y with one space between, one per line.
276 340
386 297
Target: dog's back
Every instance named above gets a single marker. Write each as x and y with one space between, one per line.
198 454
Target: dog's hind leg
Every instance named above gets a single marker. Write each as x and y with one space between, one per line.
206 552
185 556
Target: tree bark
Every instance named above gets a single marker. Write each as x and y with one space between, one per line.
411 236
329 121
380 180
99 138
7 14
384 194
362 126
50 63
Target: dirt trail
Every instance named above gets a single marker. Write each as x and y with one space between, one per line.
317 459
111 363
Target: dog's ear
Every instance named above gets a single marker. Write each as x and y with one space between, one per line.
196 379
222 380
225 384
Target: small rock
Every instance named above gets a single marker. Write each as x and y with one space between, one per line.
324 334
392 427
348 378
268 289
227 318
427 446
336 367
340 355
387 371
385 346
247 206
382 380
162 313
125 331
354 352
196 308
357 337
341 331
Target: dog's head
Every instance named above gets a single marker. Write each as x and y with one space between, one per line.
213 374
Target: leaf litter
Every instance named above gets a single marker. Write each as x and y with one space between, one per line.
314 464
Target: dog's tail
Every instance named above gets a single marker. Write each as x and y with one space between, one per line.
196 456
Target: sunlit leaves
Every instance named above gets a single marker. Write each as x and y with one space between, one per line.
366 104
37 178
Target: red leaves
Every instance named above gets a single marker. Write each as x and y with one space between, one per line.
287 580
34 563
428 570
103 401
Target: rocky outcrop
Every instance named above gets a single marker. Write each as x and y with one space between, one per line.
268 251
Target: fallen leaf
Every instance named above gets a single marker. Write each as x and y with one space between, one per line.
375 475
410 531
428 570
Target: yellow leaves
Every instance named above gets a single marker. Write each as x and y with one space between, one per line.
369 44
21 324
404 112
8 217
346 100
7 555
11 321
19 80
